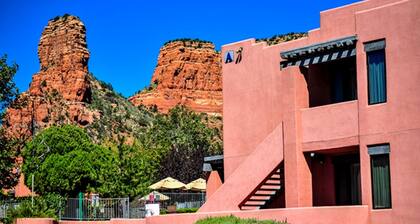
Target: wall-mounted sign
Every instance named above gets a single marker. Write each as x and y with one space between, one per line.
239 55
229 56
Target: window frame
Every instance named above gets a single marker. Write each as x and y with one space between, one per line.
372 47
372 155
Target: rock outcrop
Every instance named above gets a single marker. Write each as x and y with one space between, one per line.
60 91
188 72
64 92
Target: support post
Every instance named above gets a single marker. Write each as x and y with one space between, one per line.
80 206
32 190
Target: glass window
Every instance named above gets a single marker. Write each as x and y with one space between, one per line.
381 184
376 76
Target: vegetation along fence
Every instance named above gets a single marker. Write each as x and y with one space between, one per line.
95 209
182 200
110 208
5 206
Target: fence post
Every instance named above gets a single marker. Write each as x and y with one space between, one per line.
59 210
80 205
128 206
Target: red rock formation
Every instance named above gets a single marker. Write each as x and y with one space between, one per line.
188 73
60 91
63 56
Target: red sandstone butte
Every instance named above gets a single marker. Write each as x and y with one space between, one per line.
59 92
187 73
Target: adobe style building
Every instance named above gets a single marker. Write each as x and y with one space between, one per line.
328 124
323 129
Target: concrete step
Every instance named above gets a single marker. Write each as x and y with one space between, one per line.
272 182
275 176
270 187
257 197
255 203
246 207
265 192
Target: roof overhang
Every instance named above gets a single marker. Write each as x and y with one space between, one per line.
210 162
320 53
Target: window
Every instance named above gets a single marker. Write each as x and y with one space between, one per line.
380 172
331 82
375 52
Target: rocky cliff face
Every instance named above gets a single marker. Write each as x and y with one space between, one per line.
59 92
188 72
63 91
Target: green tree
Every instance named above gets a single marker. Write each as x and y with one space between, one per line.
138 169
8 165
181 139
8 92
65 161
53 140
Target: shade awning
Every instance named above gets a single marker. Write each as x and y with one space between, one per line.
320 53
167 184
156 196
197 185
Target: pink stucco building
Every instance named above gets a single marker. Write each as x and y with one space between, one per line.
331 121
323 129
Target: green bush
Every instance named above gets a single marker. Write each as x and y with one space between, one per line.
180 210
186 210
46 206
163 211
235 220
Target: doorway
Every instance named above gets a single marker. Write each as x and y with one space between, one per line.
335 176
347 180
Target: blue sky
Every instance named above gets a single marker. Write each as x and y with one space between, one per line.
124 36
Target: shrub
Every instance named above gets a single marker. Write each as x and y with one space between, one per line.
186 210
43 83
235 220
164 211
187 40
65 16
281 38
148 88
46 206
106 85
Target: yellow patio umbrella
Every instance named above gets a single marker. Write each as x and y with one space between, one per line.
197 185
168 183
155 194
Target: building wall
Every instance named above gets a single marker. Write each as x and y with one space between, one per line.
324 215
396 122
258 97
35 221
267 120
253 107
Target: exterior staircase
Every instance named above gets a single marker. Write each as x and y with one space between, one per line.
267 191
242 183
